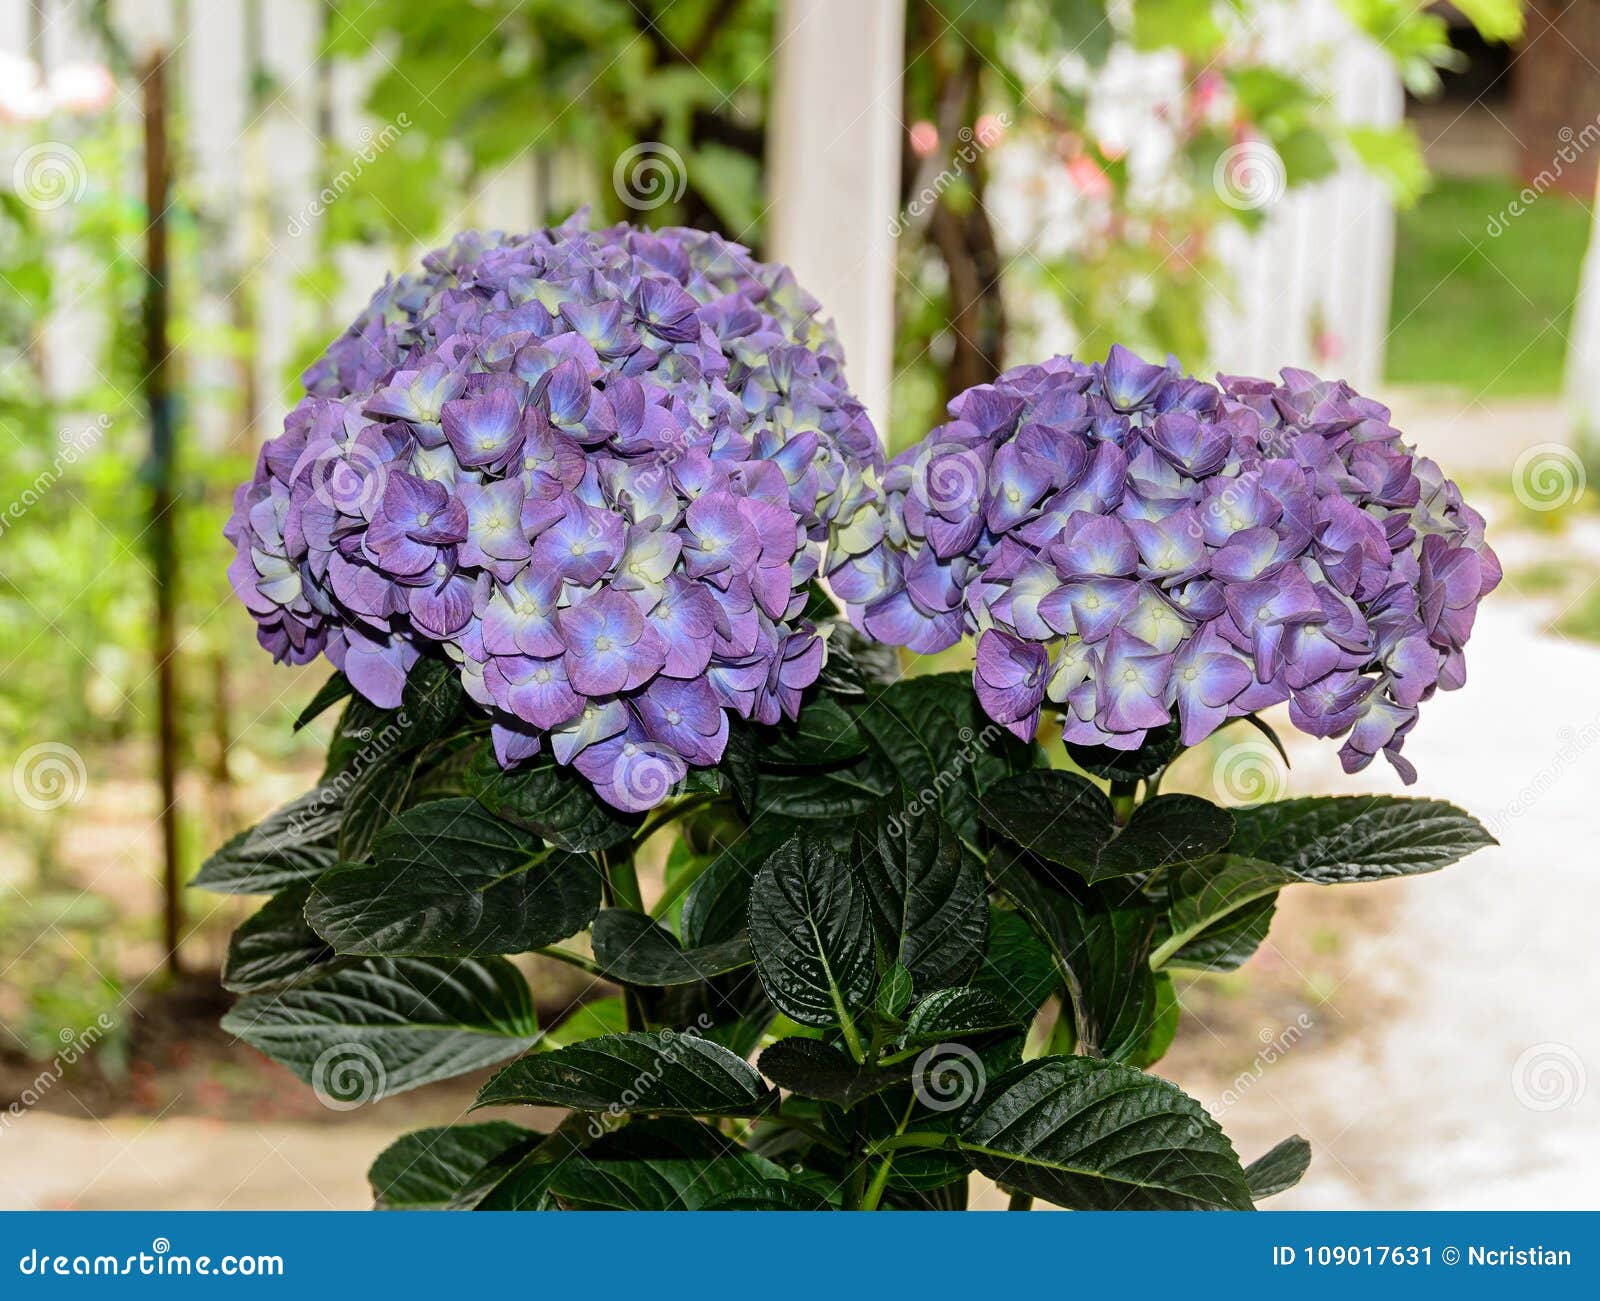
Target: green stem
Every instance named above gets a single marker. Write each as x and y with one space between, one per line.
880 1177
621 890
852 1037
1020 1202
916 1138
671 814
1124 795
570 958
815 1133
624 880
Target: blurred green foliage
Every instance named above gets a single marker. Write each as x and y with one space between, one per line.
486 86
1483 300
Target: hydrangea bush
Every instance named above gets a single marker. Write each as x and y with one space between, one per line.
557 509
1148 551
595 469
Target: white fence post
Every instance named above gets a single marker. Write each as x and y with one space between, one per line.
835 132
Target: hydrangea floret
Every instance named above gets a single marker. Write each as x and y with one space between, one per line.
596 469
1143 549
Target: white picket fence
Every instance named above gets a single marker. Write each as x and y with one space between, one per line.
1316 275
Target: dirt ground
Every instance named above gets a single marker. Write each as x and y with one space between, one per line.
1433 1038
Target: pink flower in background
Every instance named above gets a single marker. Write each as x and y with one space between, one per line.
1089 177
989 130
924 138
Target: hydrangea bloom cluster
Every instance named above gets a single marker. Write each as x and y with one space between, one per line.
1142 548
597 468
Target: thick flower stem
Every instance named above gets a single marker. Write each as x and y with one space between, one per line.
621 890
1124 795
1020 1202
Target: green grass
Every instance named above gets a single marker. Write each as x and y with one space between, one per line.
1485 313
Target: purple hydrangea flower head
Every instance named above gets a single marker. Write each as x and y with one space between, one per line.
1144 549
597 469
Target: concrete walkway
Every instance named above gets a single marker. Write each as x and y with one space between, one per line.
1472 1076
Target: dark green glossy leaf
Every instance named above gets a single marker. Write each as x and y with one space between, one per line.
426 1169
1160 747
951 1014
449 880
291 846
811 930
833 795
1330 840
329 694
717 905
1229 943
815 1069
636 950
856 667
585 1182
823 735
375 796
942 747
928 895
1096 1135
432 700
771 1196
552 800
656 1071
1165 1016
1101 944
1063 818
894 991
1017 967
1280 1169
380 1026
1057 816
275 946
